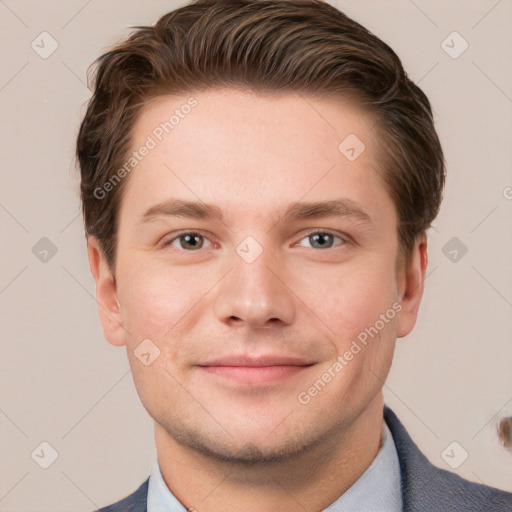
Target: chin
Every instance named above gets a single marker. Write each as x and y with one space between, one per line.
263 446
249 452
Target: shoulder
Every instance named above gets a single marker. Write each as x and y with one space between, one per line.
426 487
135 502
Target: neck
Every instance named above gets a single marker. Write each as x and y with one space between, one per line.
311 481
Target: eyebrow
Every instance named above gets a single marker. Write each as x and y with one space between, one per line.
295 211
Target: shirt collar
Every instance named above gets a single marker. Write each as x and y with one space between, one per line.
378 489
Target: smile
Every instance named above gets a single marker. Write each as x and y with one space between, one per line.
253 375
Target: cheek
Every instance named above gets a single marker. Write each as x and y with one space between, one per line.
156 299
353 298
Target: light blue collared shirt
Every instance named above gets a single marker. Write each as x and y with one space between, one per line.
378 489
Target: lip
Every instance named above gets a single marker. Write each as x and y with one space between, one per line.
253 370
258 360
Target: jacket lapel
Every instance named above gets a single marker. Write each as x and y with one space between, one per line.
426 487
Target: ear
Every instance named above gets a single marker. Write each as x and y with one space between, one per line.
410 287
106 294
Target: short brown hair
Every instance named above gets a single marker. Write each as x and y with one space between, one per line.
282 46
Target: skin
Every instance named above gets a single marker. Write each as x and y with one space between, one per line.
226 445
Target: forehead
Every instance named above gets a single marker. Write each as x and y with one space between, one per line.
264 122
254 151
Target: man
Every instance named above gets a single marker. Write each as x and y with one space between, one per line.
257 182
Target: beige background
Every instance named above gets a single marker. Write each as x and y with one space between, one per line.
63 384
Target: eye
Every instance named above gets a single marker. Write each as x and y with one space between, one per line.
321 240
189 241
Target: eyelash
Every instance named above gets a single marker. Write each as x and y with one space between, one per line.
344 239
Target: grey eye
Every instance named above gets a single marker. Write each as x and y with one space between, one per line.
321 240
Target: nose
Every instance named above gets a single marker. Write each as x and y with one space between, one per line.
255 294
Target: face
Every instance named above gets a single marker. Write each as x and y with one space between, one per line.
258 257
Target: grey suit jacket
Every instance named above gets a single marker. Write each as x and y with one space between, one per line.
425 488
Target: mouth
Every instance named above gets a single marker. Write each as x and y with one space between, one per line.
255 370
